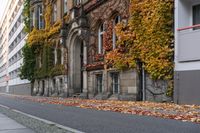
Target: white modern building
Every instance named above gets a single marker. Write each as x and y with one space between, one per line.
4 50
13 40
187 51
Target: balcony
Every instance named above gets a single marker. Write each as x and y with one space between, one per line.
189 44
187 23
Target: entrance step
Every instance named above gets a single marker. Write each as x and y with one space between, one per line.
103 96
76 95
99 97
114 97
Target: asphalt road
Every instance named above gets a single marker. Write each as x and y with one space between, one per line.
92 121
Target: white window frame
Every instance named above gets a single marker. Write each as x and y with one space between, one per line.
54 12
65 10
33 17
113 83
114 37
100 38
40 15
99 83
77 2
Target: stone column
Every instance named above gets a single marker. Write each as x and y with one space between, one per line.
50 87
35 87
85 73
56 89
40 88
62 88
62 55
46 89
55 56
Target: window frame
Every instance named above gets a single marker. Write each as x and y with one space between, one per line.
40 17
55 11
101 32
65 8
99 83
193 16
114 83
114 37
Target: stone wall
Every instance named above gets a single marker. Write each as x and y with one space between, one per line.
156 90
23 89
186 87
127 84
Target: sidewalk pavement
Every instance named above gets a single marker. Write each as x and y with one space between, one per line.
8 125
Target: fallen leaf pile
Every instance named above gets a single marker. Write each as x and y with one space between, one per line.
185 113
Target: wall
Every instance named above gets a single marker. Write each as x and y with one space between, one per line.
23 89
156 90
187 87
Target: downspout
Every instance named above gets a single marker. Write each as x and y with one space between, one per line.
143 84
140 81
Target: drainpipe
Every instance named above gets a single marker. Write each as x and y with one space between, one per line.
143 85
140 81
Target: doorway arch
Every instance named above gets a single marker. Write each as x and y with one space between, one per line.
76 65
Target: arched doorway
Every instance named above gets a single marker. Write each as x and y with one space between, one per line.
76 66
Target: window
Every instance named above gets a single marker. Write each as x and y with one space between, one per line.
115 82
33 18
100 39
65 6
77 2
99 83
54 83
59 54
117 20
196 15
40 19
54 12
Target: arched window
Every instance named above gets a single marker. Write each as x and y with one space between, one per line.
100 38
77 2
40 17
33 18
65 6
54 13
117 20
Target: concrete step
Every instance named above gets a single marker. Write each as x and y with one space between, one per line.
76 95
113 97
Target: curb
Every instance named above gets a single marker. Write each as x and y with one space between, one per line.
43 120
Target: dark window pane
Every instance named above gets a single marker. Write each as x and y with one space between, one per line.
196 16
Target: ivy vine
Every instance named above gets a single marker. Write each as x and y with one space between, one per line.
40 42
26 15
146 38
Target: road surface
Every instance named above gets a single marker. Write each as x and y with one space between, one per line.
92 121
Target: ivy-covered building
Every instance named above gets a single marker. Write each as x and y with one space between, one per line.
70 40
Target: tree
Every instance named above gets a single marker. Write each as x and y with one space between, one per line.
28 66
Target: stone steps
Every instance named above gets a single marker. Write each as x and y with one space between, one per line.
113 97
76 95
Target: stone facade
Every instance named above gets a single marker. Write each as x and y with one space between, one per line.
98 82
81 47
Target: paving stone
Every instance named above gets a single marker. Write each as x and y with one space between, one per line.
8 125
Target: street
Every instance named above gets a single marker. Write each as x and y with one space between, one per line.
92 121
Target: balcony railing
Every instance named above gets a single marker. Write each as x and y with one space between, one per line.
188 41
189 27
